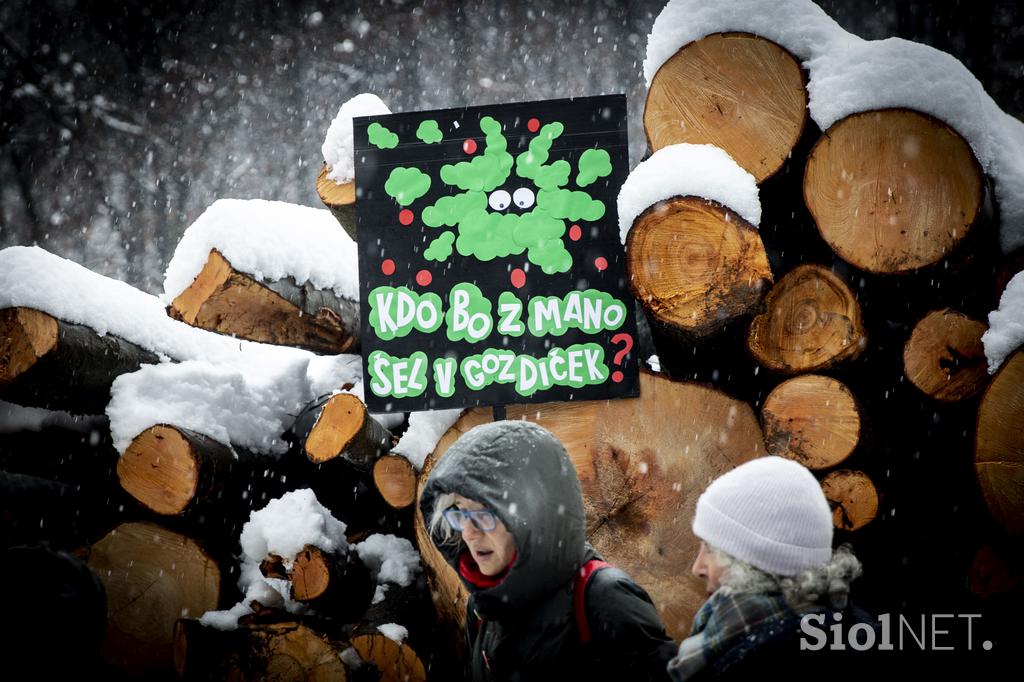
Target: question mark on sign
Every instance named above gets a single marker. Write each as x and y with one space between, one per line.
627 340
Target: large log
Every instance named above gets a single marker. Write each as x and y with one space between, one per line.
999 445
944 356
281 312
812 419
46 362
696 266
736 91
642 464
340 199
153 577
811 321
893 191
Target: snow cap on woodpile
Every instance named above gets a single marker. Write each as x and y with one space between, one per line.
849 75
425 430
678 170
269 240
1005 325
338 145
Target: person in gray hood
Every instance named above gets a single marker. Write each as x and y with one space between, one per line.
505 509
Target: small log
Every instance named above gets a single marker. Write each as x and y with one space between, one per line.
999 445
736 91
153 577
893 191
696 266
813 420
395 478
811 321
46 362
338 585
853 498
339 426
409 607
638 492
340 199
282 312
174 471
944 356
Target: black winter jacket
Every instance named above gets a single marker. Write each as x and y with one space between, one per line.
524 628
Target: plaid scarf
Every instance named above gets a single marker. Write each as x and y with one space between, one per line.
720 621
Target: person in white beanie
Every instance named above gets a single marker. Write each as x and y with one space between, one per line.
766 559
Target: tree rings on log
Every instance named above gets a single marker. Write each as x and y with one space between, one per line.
695 265
811 419
340 426
336 584
642 464
893 191
811 321
736 91
153 576
944 356
396 661
853 498
999 445
339 198
223 300
395 478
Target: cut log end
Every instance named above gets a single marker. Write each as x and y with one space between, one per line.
811 321
395 478
160 469
945 357
311 574
342 419
893 191
811 419
695 265
396 662
736 91
853 498
334 195
999 445
26 335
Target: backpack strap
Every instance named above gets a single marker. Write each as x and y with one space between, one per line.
579 590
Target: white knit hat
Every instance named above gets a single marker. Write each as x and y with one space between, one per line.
769 512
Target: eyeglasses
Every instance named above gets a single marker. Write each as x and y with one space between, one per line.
483 519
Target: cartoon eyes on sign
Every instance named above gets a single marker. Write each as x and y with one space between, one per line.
491 216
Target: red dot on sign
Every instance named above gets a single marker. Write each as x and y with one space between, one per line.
423 278
388 267
600 263
518 278
405 216
469 146
533 125
575 233
617 376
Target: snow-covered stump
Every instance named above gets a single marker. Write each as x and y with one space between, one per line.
853 499
999 445
811 321
335 584
944 356
339 198
740 92
47 362
395 634
280 312
642 464
153 576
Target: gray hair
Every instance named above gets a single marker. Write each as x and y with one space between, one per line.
438 528
801 591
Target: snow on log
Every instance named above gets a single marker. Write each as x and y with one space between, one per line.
813 420
340 200
811 321
47 362
1005 324
853 498
642 464
999 445
394 632
944 356
333 583
737 91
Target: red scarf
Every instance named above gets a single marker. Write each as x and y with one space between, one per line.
469 570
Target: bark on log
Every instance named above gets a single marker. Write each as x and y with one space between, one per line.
339 426
46 362
893 190
813 420
285 651
153 576
174 471
338 585
853 498
811 321
642 464
999 445
282 312
695 265
944 356
736 91
340 199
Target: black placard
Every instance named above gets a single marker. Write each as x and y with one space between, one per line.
491 270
